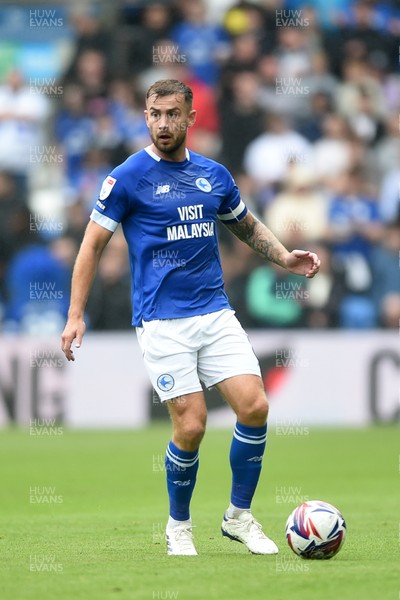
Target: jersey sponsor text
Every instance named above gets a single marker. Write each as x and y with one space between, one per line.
188 231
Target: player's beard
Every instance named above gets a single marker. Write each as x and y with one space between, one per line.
171 145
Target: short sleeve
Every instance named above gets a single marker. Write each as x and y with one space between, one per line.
232 209
112 204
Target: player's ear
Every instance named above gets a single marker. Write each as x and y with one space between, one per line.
192 118
146 116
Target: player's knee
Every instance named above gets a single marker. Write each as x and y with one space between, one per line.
192 432
254 413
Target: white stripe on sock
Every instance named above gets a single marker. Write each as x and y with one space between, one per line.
179 462
247 441
255 437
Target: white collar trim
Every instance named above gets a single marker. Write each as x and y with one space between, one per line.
157 158
152 154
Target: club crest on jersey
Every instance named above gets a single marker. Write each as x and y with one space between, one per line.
203 184
106 188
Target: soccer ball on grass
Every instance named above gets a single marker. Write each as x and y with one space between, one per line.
316 530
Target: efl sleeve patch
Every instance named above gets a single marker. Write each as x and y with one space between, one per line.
107 186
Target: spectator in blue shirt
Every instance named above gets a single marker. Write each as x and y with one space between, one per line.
204 44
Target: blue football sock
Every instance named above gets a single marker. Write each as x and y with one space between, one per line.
247 451
181 468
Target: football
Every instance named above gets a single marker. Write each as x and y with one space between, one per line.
315 530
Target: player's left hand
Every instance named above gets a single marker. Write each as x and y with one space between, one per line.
303 262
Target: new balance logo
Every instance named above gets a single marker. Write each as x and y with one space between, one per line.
182 483
255 459
163 189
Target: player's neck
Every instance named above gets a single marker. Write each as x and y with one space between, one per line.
178 156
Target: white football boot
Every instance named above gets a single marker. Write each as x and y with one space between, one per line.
248 531
180 540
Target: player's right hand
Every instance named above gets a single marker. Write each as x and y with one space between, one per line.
74 330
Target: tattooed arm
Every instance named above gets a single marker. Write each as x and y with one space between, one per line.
256 235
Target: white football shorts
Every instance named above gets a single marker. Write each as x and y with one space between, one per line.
179 353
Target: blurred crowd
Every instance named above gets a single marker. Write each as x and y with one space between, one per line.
301 103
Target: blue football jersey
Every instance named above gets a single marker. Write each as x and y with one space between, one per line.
168 212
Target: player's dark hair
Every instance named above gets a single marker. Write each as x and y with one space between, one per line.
169 87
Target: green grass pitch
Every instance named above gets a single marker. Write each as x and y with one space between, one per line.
82 516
